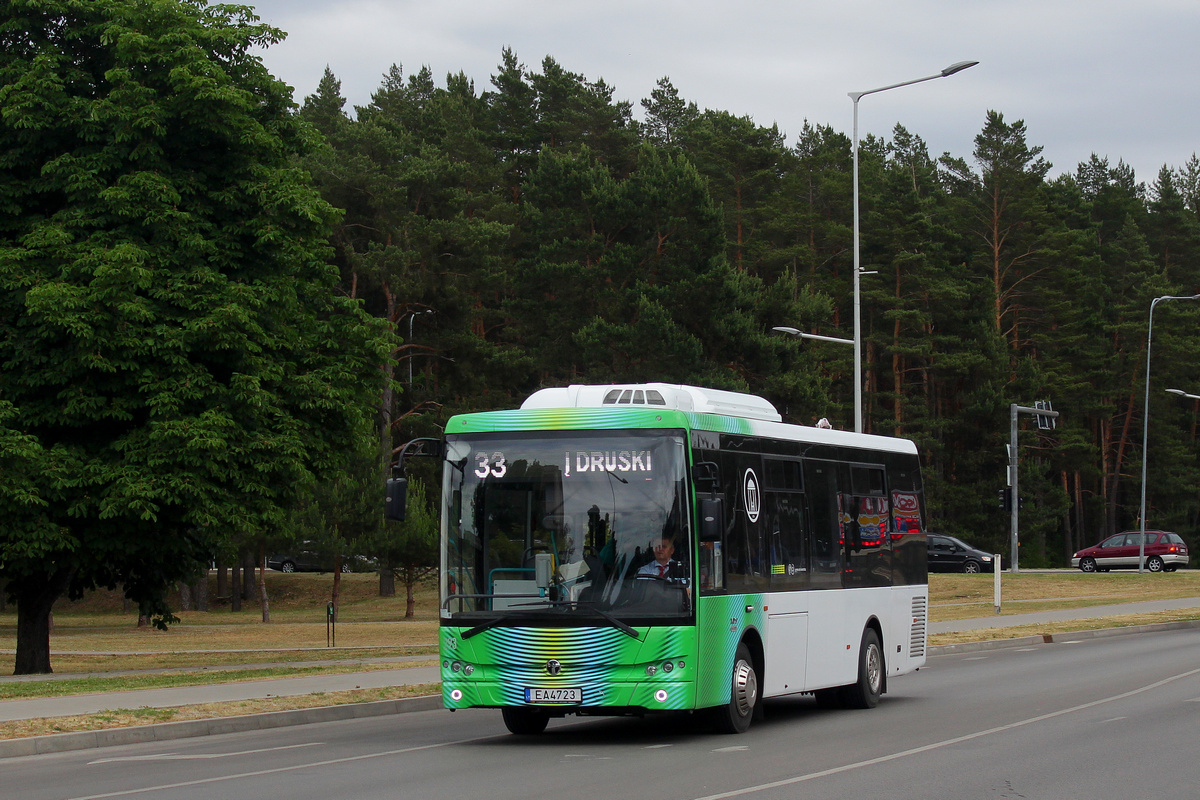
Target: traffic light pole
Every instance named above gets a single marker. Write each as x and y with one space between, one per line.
1015 504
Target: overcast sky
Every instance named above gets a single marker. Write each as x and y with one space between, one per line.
1119 78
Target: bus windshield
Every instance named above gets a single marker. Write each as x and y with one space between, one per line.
573 527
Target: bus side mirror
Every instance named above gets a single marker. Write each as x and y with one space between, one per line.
712 518
396 499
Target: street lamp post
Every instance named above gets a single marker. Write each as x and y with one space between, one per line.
411 319
1146 424
855 97
801 335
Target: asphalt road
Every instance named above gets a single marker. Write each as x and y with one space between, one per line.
1098 718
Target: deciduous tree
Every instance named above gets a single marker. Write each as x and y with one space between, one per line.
177 362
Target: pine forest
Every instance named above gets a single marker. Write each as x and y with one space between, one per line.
537 232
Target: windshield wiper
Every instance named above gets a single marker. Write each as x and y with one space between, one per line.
491 623
508 619
590 605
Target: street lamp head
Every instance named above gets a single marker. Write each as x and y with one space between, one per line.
787 330
959 67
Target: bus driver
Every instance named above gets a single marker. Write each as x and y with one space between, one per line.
664 566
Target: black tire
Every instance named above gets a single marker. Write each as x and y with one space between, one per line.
971 566
744 694
1087 564
524 721
287 566
1155 564
866 691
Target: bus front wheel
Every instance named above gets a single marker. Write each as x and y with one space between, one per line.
866 691
736 716
524 721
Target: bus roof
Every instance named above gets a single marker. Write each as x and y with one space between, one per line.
655 395
690 407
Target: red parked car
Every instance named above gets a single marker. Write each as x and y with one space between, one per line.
1165 552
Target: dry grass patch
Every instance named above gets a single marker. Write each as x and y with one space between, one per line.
956 596
125 718
194 635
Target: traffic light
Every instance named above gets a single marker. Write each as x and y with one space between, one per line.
1005 497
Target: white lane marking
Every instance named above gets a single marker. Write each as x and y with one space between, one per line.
199 756
657 746
944 743
1115 719
735 749
277 770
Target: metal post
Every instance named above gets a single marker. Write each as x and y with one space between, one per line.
1013 488
855 97
411 318
1146 426
1014 410
858 421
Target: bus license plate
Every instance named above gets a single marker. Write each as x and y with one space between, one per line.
543 695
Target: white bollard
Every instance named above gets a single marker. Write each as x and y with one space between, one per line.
996 580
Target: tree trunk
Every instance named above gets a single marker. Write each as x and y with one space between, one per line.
387 581
387 400
248 565
410 604
200 593
235 587
34 605
185 597
262 582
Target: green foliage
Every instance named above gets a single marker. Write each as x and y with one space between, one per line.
409 549
177 361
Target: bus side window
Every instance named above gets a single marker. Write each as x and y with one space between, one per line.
825 569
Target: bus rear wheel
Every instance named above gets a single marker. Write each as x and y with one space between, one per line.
524 721
865 692
737 715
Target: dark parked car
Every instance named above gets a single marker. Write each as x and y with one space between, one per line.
947 554
1165 552
306 560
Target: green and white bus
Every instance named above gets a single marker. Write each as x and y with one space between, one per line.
635 549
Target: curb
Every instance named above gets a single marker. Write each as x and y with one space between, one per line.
167 731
